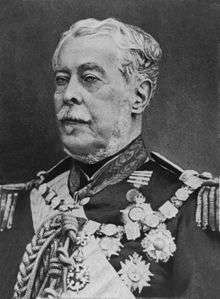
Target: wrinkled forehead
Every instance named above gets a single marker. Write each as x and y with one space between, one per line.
100 49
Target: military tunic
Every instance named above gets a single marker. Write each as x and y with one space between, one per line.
192 271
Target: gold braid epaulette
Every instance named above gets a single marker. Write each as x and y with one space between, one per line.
208 199
208 205
12 192
9 195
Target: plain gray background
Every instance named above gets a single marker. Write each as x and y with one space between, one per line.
182 121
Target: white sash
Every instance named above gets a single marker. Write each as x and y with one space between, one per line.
104 280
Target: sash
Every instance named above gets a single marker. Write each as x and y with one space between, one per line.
104 281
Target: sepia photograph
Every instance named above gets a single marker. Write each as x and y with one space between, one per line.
109 149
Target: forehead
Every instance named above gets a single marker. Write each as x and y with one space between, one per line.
100 50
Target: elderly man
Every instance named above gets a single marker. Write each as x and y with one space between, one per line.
111 220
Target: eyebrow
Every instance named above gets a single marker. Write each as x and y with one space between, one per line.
93 67
62 70
84 67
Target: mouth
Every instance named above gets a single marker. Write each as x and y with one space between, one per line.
73 121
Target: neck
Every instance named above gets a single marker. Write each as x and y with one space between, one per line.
90 169
114 146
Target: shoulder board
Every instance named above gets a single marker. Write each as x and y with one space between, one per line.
165 163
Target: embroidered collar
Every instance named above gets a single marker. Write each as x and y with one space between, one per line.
112 172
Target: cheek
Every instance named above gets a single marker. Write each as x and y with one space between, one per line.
106 104
58 101
108 107
119 100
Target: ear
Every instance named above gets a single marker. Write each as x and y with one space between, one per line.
143 96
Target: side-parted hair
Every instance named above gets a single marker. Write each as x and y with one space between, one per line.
140 52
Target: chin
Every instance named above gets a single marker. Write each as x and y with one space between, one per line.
82 145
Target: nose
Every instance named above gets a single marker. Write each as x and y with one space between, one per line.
72 94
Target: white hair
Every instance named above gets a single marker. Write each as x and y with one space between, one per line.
140 52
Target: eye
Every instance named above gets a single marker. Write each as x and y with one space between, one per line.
61 80
90 78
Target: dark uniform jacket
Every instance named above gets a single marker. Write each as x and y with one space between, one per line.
192 271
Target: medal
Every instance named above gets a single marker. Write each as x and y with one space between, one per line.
140 178
109 229
194 182
168 210
136 213
132 230
159 244
151 221
135 273
132 194
77 277
183 193
110 245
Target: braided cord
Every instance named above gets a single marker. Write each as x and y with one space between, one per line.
33 276
32 256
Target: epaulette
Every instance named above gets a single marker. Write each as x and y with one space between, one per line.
208 205
9 193
208 199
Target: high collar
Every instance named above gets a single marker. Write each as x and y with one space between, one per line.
112 172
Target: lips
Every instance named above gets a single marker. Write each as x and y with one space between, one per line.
72 121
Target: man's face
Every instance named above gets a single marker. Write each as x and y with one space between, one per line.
92 98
